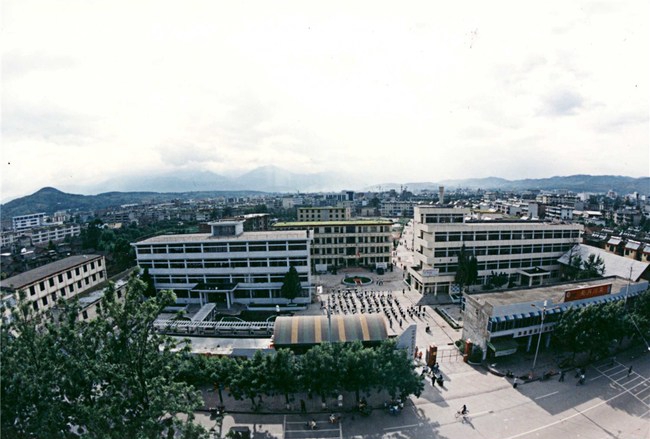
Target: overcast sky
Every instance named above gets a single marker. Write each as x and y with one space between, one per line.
389 91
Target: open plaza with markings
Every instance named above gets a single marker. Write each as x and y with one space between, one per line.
614 401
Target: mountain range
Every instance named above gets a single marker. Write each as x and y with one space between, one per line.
269 179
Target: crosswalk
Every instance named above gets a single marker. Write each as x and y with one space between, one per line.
298 429
628 379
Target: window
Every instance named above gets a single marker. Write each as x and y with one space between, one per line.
85 314
92 265
44 301
60 277
85 268
69 274
51 281
76 271
32 290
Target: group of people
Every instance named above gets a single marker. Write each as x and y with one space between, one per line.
353 301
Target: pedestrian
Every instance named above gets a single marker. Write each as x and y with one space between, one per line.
629 371
561 376
403 291
514 383
303 407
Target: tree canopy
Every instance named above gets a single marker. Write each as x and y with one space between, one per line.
467 271
291 287
113 376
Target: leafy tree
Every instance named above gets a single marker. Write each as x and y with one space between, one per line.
112 377
319 369
282 372
248 379
593 266
358 368
396 372
91 234
291 287
467 272
150 289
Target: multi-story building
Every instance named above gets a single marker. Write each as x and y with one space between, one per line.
629 217
54 233
24 222
63 279
502 323
363 242
526 251
394 209
227 265
323 214
558 212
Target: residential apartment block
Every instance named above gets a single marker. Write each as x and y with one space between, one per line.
351 243
323 214
54 233
527 251
63 279
227 265
24 222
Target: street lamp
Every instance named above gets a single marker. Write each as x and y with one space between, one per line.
541 329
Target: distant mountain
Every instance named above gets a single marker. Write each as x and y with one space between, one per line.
574 183
266 178
50 200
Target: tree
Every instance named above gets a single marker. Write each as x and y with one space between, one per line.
593 266
467 271
150 289
282 371
291 287
112 377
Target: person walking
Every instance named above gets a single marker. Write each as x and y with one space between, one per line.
629 371
561 376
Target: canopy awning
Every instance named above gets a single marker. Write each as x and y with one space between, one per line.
503 347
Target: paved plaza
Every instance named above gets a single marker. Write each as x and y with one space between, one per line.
614 401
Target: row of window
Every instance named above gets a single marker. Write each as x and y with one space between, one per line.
351 240
64 291
61 276
223 247
226 263
224 279
238 294
350 250
502 265
341 261
352 229
510 324
438 218
506 249
503 235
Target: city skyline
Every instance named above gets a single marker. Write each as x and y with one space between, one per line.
97 92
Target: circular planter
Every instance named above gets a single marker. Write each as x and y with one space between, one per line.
357 281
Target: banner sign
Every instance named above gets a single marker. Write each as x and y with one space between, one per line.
587 292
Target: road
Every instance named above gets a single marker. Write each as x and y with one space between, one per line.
610 404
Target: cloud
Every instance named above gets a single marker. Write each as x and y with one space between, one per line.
561 102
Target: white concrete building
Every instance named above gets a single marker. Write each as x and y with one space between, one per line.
527 251
228 265
323 213
24 222
63 279
54 233
353 243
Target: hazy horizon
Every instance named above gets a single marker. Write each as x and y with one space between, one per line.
98 92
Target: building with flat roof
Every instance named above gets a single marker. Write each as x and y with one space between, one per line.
24 222
323 213
353 243
526 251
63 279
228 266
506 321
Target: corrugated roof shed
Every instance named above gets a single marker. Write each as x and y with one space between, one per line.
311 330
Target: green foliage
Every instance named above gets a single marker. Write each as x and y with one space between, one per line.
291 287
467 272
150 290
325 369
113 376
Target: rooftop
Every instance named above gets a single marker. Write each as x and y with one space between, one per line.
37 274
359 222
554 293
208 237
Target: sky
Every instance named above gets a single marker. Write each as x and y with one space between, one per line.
94 91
